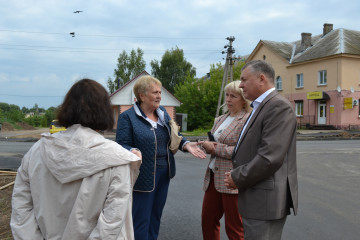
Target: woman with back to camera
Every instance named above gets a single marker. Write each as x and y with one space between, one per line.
218 199
76 184
146 128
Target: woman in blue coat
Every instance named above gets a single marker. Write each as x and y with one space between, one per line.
145 128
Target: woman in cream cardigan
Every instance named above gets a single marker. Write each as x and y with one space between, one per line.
76 184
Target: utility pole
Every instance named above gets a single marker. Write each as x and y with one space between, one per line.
228 69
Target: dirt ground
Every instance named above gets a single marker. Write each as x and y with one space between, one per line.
34 133
5 206
8 127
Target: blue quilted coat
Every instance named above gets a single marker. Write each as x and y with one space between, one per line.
134 131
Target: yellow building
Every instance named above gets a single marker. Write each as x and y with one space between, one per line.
320 75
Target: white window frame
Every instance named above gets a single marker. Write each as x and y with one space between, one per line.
278 83
299 80
322 77
299 108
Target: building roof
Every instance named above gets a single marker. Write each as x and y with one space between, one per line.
284 49
125 96
335 42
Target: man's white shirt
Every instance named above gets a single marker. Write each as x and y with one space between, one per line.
255 104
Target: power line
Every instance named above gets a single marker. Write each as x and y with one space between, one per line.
109 36
16 95
94 50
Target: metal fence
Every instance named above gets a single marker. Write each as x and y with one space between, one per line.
305 121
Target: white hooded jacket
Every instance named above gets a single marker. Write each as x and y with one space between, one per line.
74 185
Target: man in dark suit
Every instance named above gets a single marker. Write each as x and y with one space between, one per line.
264 160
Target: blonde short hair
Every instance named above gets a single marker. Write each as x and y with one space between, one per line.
234 87
144 84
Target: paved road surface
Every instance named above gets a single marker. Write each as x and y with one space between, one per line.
329 195
11 154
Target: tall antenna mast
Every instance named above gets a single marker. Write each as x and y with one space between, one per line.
227 70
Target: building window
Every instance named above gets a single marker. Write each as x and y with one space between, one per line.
278 83
299 80
299 108
322 77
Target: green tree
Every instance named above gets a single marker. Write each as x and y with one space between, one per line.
50 114
12 113
173 69
30 120
199 97
5 107
237 69
111 85
37 121
36 109
44 122
128 67
25 110
15 113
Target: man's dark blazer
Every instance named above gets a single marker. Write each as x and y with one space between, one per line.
265 162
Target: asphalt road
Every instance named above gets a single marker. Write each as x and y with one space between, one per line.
329 195
11 154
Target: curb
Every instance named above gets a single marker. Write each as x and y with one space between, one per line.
299 137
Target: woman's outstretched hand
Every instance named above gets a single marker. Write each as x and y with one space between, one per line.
209 147
192 147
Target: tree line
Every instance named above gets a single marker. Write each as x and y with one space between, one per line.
35 116
199 96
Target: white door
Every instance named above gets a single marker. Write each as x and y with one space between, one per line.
322 113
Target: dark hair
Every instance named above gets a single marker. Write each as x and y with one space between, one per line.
86 103
260 66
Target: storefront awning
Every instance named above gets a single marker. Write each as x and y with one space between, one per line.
319 95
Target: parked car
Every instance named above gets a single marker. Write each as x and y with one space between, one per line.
55 127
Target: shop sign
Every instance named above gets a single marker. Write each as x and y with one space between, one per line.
348 103
314 95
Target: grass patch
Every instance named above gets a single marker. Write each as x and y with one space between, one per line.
196 132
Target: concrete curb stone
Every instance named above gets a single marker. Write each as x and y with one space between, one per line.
302 135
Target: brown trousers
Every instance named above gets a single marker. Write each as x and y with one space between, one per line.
215 205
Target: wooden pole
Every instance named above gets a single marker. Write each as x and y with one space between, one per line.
222 87
227 70
8 172
7 185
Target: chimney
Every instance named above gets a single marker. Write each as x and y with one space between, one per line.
305 41
328 27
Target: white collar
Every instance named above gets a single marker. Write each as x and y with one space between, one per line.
261 98
160 113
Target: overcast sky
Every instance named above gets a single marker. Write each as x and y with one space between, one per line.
40 60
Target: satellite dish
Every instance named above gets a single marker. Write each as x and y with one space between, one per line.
352 90
338 89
